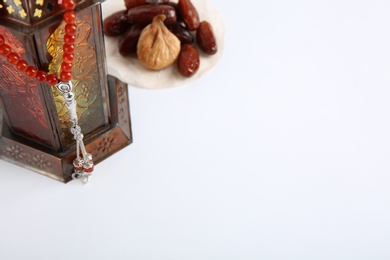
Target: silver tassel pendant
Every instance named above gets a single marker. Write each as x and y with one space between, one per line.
83 164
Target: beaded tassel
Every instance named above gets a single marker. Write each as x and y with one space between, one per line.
83 164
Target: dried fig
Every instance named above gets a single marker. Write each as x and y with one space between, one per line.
188 61
157 47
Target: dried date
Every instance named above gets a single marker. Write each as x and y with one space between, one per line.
116 24
189 14
188 61
128 41
178 15
144 14
133 3
157 2
206 39
182 33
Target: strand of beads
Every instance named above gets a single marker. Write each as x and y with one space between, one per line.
13 58
69 18
22 65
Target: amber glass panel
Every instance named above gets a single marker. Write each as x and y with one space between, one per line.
22 97
89 85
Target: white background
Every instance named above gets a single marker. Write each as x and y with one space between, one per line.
282 151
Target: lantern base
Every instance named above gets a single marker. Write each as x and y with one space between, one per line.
59 165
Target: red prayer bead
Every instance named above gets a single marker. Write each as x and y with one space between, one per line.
66 66
41 76
2 40
52 79
5 49
13 58
68 48
69 17
89 169
65 76
70 29
22 65
69 39
69 4
31 71
68 57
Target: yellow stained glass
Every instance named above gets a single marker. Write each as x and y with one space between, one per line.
10 9
38 13
17 2
22 13
84 71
